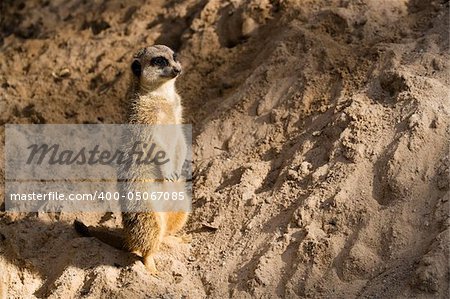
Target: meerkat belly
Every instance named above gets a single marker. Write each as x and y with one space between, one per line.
141 233
166 115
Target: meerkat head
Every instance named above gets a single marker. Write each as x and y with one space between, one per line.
155 65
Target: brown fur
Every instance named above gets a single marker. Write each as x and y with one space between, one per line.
152 100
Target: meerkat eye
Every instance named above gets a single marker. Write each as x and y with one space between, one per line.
136 68
160 61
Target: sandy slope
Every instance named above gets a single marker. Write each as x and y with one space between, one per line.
321 143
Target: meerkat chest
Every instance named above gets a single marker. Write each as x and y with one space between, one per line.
168 94
161 105
155 109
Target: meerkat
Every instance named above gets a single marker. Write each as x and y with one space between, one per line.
153 100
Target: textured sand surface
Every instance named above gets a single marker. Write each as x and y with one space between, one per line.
321 145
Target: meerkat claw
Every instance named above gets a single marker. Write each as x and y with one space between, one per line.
186 238
174 177
149 263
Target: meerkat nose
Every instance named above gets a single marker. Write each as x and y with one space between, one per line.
176 71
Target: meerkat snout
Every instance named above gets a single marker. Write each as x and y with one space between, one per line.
176 71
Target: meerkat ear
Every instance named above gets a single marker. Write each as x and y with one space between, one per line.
136 68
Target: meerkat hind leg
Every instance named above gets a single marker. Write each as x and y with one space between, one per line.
154 232
149 263
176 221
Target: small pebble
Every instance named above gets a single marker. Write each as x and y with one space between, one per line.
249 26
64 73
413 121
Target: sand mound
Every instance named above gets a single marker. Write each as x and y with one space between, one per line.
321 144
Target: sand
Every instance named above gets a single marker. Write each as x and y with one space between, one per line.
321 145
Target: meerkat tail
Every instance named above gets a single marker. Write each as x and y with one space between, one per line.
81 228
112 239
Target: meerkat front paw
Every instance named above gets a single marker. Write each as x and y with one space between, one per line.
174 177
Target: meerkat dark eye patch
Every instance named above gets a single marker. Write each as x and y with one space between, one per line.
136 68
159 61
